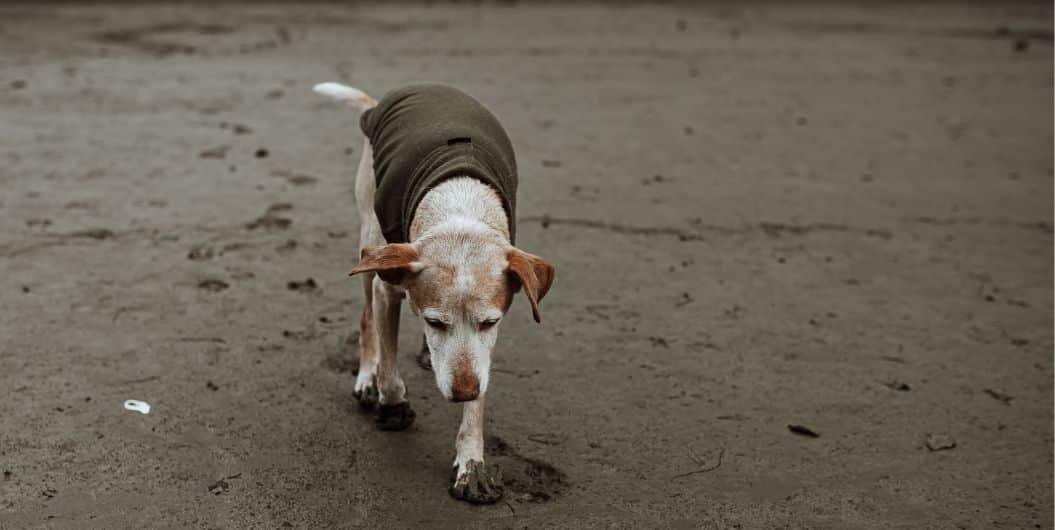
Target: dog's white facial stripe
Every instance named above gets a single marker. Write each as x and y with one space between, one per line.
444 376
464 281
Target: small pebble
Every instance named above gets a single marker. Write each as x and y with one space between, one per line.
940 442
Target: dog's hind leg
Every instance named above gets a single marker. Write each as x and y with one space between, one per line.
369 235
366 379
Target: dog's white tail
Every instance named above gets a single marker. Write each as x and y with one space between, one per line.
352 96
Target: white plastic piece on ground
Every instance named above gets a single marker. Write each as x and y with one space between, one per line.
138 406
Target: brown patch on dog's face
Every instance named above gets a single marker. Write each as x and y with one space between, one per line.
427 289
502 292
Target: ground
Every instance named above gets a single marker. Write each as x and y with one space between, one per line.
832 216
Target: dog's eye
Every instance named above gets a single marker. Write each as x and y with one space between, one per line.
436 324
489 323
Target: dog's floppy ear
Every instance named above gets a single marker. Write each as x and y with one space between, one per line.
393 263
534 274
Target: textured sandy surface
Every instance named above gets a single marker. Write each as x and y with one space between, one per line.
838 217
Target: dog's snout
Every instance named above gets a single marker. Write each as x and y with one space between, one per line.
466 386
466 389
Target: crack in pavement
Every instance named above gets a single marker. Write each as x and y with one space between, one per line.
157 233
773 229
1040 226
770 229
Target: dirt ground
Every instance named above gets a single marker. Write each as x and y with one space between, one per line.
835 216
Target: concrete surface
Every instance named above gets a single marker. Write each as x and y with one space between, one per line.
831 215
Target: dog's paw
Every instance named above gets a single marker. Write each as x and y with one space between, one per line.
394 417
366 394
477 483
425 356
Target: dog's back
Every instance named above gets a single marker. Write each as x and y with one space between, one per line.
424 134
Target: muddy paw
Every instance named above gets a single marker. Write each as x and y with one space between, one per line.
394 417
478 484
367 397
424 356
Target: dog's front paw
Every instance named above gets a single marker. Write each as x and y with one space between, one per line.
366 392
477 483
394 417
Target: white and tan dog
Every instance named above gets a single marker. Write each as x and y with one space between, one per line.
460 270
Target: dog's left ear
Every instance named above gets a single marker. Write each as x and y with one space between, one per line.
392 263
534 274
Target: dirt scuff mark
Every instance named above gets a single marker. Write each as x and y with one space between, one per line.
271 221
527 479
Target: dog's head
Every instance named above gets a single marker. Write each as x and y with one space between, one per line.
461 285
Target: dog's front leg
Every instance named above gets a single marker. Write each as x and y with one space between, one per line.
473 482
393 411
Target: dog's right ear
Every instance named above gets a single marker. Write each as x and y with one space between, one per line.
393 263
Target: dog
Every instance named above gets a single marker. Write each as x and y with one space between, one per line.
436 193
